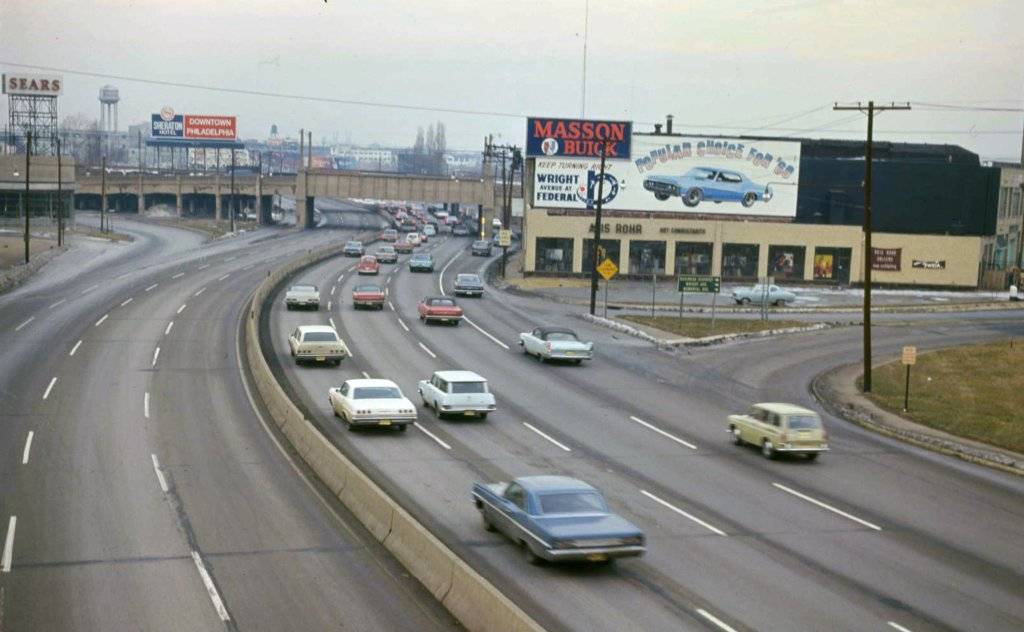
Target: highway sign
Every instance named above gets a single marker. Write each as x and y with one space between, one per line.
504 238
909 355
607 269
699 283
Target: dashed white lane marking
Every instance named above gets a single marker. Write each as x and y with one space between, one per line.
159 474
203 267
391 305
331 320
440 287
679 511
156 354
5 561
402 323
432 436
24 324
75 348
222 612
340 277
169 325
178 276
89 289
713 619
224 277
151 287
387 291
547 436
60 302
388 282
334 288
28 448
126 301
49 388
828 507
366 375
201 290
182 308
100 321
663 433
145 405
896 626
429 352
329 304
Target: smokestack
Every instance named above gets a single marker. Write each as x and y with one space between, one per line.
657 129
668 124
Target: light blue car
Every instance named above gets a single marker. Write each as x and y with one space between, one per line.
708 183
763 294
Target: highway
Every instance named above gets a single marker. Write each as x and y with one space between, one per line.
875 535
139 489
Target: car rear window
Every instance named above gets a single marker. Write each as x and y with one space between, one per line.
469 387
376 392
304 288
368 288
572 503
320 336
467 278
443 302
561 336
802 422
353 244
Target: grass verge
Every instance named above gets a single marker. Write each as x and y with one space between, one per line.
975 392
211 227
701 327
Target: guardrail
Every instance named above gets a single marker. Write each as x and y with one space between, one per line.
470 597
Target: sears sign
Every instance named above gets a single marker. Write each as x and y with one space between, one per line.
575 138
33 85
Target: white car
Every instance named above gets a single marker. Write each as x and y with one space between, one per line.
556 343
457 393
413 238
429 230
317 343
371 403
302 296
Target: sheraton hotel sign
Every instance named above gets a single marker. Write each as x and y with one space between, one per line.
196 127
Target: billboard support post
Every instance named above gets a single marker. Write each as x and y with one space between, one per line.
597 234
28 165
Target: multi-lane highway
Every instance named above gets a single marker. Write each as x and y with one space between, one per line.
875 535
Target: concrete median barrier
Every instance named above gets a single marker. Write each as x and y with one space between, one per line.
419 551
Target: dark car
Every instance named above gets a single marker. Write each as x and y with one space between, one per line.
481 248
353 249
421 263
468 285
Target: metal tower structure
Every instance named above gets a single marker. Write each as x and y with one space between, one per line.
37 114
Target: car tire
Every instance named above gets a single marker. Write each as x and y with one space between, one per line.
483 416
748 199
661 196
693 197
402 427
811 456
577 362
488 525
288 307
737 438
767 449
531 557
744 301
456 323
780 303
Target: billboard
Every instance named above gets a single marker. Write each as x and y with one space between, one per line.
170 126
33 85
680 174
553 137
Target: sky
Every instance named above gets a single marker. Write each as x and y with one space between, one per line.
768 67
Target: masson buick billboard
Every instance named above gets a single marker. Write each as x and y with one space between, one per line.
684 174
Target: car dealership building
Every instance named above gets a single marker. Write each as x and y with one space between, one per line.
745 208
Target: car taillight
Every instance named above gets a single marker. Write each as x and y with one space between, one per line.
548 347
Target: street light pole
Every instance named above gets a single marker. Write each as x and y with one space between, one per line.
231 205
28 164
597 234
60 199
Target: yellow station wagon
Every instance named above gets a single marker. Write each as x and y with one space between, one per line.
778 428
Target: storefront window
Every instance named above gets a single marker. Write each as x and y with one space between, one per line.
646 257
554 254
611 251
832 264
693 258
786 262
739 261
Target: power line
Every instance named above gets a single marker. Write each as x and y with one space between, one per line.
963 108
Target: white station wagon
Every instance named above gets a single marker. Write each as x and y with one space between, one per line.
457 393
317 343
371 403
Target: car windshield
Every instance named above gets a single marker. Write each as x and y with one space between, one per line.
561 336
804 422
385 251
320 336
376 392
303 288
469 387
700 173
467 278
481 244
420 258
442 302
353 244
572 503
367 288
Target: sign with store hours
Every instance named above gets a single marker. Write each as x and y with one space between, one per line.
909 355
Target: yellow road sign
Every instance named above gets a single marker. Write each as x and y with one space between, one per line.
909 355
607 269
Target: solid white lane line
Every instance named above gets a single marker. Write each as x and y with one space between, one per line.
366 375
222 612
679 511
178 276
828 507
145 405
89 289
402 323
896 626
224 277
713 619
156 354
329 304
547 436
169 325
28 448
30 319
151 287
391 305
663 433
100 321
432 436
334 288
182 308
49 388
331 320
203 267
493 339
159 475
440 277
5 561
75 348
429 352
387 291
201 290
61 301
125 302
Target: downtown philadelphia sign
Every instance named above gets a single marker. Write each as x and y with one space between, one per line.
192 127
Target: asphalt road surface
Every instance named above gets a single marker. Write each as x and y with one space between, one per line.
875 535
139 489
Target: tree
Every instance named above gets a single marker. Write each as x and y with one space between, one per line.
418 147
431 144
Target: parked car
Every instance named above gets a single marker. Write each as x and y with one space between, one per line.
468 285
317 343
460 230
481 248
368 265
429 230
353 249
367 295
461 393
402 246
780 428
413 238
304 296
439 308
557 518
761 293
386 254
371 403
710 184
421 262
389 234
556 343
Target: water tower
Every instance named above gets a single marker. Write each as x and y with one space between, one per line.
108 108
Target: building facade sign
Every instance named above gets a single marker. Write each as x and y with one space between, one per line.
679 174
552 137
886 259
929 265
33 85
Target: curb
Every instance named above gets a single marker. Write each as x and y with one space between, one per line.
706 341
20 273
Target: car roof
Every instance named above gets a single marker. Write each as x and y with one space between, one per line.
785 409
357 383
548 483
553 330
309 328
459 376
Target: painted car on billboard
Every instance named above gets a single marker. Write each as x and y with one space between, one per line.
708 184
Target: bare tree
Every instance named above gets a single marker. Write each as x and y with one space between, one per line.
439 138
431 141
418 147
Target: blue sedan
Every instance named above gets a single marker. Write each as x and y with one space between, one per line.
556 518
707 183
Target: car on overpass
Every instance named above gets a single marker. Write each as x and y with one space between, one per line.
371 403
780 429
461 393
556 343
317 343
353 248
368 264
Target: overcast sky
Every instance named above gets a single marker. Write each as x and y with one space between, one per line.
719 67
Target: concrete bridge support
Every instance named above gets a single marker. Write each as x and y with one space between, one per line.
177 202
216 195
308 220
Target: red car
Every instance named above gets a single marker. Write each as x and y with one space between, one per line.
404 246
368 296
368 265
440 308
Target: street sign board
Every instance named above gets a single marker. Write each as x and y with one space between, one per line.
504 238
607 269
909 355
699 283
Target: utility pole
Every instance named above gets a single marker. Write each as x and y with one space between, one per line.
142 197
103 193
231 205
28 165
60 199
868 158
597 233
